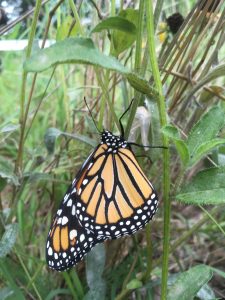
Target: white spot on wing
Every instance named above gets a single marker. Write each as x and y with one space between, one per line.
82 237
73 234
70 202
73 210
59 212
50 252
85 181
64 220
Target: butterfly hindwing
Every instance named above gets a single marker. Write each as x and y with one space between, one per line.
68 241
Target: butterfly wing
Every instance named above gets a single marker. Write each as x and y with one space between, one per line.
67 240
113 195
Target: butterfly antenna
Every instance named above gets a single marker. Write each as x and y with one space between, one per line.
120 119
91 115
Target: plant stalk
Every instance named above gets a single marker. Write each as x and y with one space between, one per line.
137 65
163 122
19 161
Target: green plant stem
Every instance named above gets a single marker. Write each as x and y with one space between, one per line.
29 277
163 122
113 8
70 285
22 120
213 219
149 253
76 16
157 12
137 65
121 4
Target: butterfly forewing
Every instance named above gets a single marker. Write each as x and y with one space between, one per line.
114 197
110 197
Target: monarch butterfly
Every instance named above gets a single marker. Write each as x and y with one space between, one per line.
110 197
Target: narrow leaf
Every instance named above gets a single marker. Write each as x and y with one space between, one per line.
134 284
10 128
10 277
205 148
206 293
141 85
117 23
217 72
8 239
189 283
56 292
5 293
7 172
206 128
53 133
173 133
50 138
95 263
207 187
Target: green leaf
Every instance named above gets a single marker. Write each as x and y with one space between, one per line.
7 173
8 239
117 23
141 85
123 40
83 51
206 128
53 133
189 283
64 30
206 96
206 293
5 293
215 73
56 292
50 138
81 138
72 50
219 272
9 128
95 263
10 277
173 133
207 187
205 148
134 284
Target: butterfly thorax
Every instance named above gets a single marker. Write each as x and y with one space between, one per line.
113 142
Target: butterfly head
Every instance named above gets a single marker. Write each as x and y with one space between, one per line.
113 142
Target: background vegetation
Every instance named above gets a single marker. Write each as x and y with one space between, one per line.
46 133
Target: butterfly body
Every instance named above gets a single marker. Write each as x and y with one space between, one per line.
110 197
